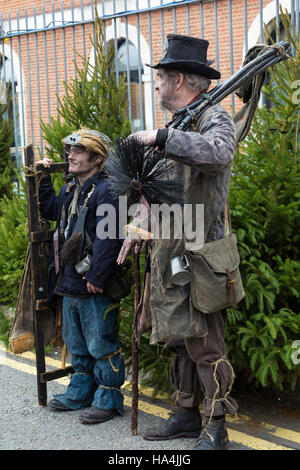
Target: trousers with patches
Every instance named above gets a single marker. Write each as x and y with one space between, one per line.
89 334
200 366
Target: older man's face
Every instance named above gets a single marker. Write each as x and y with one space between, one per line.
165 85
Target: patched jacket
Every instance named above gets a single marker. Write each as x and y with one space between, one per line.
202 159
94 193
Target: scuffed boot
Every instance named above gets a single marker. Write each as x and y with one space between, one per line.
56 405
96 415
215 437
182 422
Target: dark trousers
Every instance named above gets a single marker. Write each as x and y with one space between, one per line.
200 365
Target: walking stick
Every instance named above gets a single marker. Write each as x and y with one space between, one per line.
134 344
130 173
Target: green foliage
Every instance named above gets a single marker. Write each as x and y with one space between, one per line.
93 99
14 240
5 326
265 212
6 140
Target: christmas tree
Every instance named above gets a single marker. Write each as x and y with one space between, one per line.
6 141
94 99
265 212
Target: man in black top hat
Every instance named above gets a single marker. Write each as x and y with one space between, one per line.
202 158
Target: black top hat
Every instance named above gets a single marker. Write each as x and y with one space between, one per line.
186 54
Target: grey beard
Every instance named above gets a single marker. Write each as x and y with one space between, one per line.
163 106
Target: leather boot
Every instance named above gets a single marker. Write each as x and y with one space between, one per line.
56 405
215 437
96 415
182 422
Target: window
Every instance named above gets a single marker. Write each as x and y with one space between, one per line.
10 90
129 63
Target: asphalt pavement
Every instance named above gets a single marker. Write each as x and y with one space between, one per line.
25 425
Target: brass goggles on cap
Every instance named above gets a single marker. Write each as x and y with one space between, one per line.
73 139
92 140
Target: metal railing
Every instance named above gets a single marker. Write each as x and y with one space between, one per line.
40 47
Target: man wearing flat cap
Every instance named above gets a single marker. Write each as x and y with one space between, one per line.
202 158
83 264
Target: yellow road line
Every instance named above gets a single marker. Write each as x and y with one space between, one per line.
253 442
277 431
21 366
236 436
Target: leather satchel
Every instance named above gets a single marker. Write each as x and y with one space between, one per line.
119 285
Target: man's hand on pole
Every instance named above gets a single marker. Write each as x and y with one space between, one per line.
141 214
46 162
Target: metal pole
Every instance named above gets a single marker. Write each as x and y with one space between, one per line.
83 31
245 26
277 21
29 81
202 20
23 142
216 35
73 40
104 30
297 18
151 70
140 66
231 49
174 20
13 84
116 44
64 39
55 58
163 42
128 68
261 17
46 64
38 79
94 29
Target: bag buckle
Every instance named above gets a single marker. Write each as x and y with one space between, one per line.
230 286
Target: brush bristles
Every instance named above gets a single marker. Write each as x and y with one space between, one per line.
135 173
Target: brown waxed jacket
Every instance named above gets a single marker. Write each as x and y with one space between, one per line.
202 159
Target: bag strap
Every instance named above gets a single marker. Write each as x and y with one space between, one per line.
227 220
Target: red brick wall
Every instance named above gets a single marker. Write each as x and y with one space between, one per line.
181 22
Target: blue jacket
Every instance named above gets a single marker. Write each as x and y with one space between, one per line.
105 251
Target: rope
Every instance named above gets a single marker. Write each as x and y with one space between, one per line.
281 51
109 356
38 175
111 388
214 399
31 171
178 393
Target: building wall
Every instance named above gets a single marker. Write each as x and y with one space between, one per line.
43 79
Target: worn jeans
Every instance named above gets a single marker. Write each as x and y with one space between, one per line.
89 334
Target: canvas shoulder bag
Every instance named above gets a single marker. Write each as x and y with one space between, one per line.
216 281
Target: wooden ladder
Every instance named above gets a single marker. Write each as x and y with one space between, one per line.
39 288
